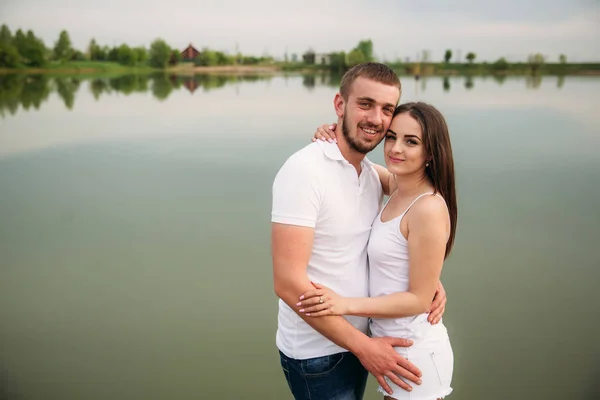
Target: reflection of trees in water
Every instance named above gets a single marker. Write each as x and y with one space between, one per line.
161 86
23 90
30 91
324 79
66 89
533 81
128 84
560 81
210 82
500 78
309 81
335 79
469 82
36 89
99 86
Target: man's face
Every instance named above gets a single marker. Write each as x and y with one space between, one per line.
368 113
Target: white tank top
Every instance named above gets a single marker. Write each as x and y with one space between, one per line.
389 273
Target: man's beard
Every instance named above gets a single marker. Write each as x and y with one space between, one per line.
353 142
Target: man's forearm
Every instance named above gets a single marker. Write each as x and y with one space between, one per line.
334 328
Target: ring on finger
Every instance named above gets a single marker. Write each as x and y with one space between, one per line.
321 300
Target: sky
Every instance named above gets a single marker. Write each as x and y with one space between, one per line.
399 29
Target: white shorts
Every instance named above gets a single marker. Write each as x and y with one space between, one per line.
436 362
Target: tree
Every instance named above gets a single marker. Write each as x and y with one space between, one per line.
224 59
500 65
207 58
31 49
535 62
62 49
96 52
160 52
9 56
366 48
471 57
103 54
175 57
338 61
362 53
126 55
562 58
356 57
448 56
5 35
141 54
19 40
113 54
78 56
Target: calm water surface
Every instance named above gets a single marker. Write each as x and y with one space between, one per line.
134 234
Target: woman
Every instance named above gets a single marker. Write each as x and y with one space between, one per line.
419 220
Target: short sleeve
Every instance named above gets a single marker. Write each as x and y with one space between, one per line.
296 194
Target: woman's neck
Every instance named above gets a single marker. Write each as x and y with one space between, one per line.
412 185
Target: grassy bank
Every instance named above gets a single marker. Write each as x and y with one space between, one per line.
497 69
90 68
190 68
464 69
81 67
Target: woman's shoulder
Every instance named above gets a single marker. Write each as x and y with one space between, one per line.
429 208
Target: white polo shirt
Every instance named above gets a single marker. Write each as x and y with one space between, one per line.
318 188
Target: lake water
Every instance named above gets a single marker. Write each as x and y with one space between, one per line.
134 233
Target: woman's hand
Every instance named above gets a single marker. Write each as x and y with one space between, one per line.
322 302
438 306
325 133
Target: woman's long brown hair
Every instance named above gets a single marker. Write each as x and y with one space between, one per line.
440 171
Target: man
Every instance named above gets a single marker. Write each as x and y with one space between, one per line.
325 199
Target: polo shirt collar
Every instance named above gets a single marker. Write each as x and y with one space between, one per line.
332 151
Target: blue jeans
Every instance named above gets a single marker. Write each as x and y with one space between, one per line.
339 376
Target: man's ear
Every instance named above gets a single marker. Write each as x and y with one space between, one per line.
339 103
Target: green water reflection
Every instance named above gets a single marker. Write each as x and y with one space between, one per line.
31 91
134 233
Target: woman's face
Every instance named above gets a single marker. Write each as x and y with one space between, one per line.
403 149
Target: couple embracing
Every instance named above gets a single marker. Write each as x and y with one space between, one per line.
358 282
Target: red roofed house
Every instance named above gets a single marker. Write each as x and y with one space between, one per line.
189 53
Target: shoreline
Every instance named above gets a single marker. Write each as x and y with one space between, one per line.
232 69
187 69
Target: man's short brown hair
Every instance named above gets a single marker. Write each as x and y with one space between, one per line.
374 71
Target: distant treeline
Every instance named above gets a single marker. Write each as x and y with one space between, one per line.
26 50
536 63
